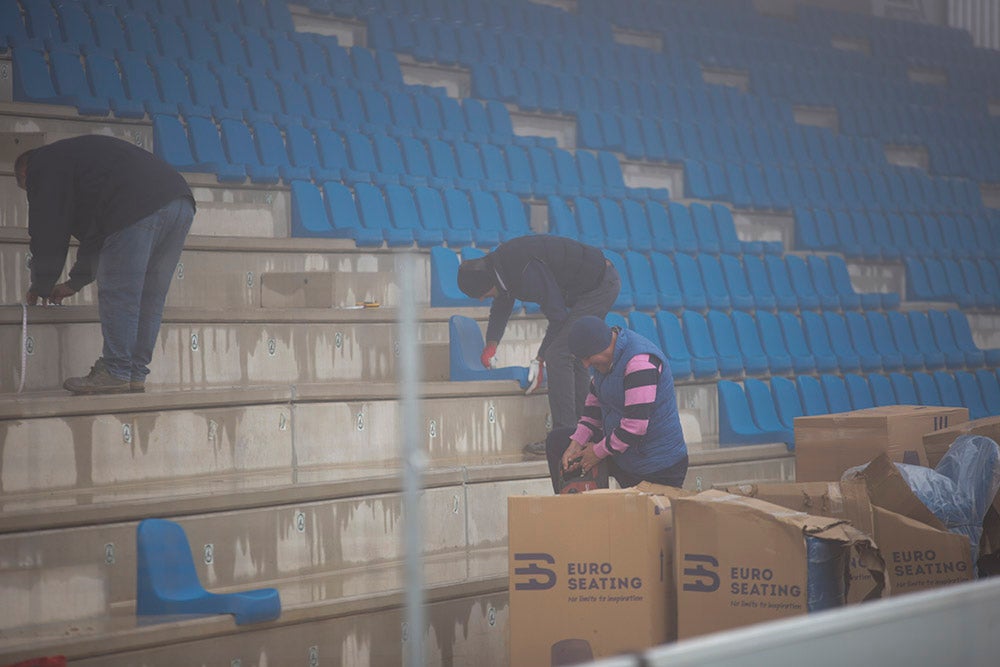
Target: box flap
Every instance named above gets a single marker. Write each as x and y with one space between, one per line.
887 489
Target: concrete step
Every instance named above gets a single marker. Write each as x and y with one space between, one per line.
240 347
466 620
96 444
78 573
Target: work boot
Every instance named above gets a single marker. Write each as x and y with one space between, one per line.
98 381
137 386
535 449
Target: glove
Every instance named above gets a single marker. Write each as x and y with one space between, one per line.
488 353
536 376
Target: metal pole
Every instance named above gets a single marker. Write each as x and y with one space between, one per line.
413 462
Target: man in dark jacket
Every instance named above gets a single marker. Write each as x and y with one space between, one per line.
630 419
568 280
131 212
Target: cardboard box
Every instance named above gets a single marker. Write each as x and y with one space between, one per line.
591 574
936 443
827 445
919 552
838 500
740 560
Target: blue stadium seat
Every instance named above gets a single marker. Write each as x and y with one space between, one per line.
760 284
514 215
644 291
811 395
239 147
465 346
786 401
206 146
715 283
71 86
924 339
433 215
309 217
845 290
971 395
888 345
859 392
963 339
837 397
882 390
723 340
941 327
704 228
461 217
755 360
702 360
588 221
948 389
343 215
927 389
644 325
781 283
625 298
736 422
303 153
904 389
374 215
827 293
703 346
866 347
489 228
661 227
736 284
989 387
615 234
667 286
404 215
614 319
729 242
902 335
691 285
765 415
848 356
685 238
636 226
104 76
783 335
418 164
802 284
827 358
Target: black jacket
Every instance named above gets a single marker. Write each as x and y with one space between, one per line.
551 271
88 188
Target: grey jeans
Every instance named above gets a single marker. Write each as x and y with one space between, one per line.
568 380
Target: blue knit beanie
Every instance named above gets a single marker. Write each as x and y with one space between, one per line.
588 336
475 277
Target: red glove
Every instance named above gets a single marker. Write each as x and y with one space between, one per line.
488 353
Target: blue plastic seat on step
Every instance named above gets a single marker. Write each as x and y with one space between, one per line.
845 290
760 284
989 386
963 339
885 344
782 336
675 344
904 389
948 389
343 215
818 339
404 214
626 297
861 339
828 297
764 413
724 341
835 390
923 337
667 286
444 281
167 581
781 283
913 358
802 285
755 359
736 283
955 358
882 391
684 235
811 395
840 341
859 391
736 422
786 401
644 325
465 345
644 290
704 360
374 216
971 395
927 390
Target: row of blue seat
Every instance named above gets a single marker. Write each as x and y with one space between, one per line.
265 153
915 124
143 25
756 413
873 234
969 283
398 215
655 224
737 344
771 283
